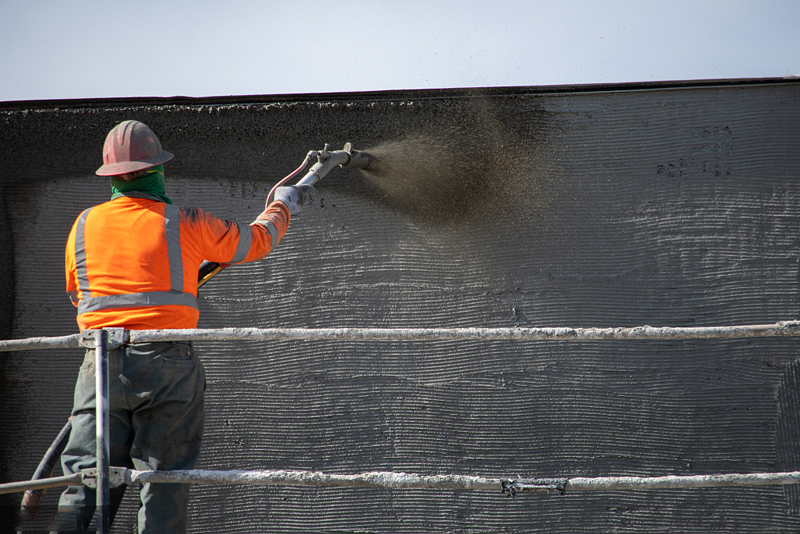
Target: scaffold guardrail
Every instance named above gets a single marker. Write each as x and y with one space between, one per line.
118 335
105 476
386 479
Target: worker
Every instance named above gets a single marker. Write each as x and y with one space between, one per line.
132 262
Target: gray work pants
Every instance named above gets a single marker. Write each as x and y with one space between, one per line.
156 413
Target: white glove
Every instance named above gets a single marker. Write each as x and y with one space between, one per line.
294 196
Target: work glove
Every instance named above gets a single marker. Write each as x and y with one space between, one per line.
294 196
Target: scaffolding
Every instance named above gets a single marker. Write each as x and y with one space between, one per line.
104 476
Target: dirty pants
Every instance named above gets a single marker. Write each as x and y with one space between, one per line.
156 418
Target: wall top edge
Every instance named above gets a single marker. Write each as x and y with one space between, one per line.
469 92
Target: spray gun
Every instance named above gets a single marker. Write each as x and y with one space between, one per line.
326 161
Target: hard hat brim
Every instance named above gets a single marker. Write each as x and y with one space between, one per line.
115 169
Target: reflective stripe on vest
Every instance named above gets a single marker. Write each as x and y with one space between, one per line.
172 226
273 232
80 253
243 248
175 295
137 300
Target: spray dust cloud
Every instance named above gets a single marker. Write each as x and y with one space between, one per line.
452 174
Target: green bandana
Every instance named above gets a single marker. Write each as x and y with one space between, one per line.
152 184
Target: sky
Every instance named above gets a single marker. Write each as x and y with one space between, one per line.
93 49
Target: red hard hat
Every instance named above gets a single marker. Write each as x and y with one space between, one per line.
131 146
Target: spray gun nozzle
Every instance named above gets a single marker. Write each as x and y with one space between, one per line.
358 159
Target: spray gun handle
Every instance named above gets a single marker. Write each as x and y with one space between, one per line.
208 270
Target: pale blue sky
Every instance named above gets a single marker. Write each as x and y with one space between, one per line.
93 49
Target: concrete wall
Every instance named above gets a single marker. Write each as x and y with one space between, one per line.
616 206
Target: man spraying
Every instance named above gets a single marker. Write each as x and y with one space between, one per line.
132 262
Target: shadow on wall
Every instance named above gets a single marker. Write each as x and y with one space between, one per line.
7 405
787 432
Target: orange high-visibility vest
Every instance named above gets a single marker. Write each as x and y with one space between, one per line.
132 262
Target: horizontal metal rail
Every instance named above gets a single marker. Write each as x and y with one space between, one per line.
654 483
33 343
316 478
121 475
780 329
42 483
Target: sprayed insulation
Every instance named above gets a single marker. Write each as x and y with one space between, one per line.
666 206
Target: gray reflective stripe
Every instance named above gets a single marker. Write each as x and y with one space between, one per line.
245 236
80 253
137 300
172 227
273 232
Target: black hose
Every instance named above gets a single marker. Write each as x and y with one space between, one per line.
32 498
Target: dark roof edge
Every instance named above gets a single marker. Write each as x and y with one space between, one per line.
387 94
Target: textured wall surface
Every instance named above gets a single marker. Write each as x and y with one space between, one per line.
625 206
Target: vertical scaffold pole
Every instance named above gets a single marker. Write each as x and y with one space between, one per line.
103 436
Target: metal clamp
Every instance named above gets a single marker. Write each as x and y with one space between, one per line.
117 337
549 485
117 476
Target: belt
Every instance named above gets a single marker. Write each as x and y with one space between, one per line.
120 337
